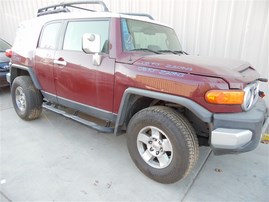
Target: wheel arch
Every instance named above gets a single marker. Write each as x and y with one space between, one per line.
20 70
132 95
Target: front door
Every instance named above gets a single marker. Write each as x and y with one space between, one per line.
78 82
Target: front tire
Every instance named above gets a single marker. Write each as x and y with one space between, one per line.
162 144
27 100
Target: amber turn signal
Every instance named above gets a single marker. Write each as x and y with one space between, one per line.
230 97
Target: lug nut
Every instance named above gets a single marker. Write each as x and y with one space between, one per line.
150 142
151 149
157 152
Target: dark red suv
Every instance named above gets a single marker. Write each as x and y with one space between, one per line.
131 72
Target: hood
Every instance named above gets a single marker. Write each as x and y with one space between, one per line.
232 71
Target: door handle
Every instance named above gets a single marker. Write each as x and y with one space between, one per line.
60 62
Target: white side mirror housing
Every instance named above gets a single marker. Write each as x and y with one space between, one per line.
91 43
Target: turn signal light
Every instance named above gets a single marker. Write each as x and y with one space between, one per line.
230 97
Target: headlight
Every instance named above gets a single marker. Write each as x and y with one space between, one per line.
246 98
251 96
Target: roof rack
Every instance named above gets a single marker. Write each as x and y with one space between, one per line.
139 14
63 7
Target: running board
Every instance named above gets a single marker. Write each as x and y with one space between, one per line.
90 124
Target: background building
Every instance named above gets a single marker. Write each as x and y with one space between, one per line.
222 28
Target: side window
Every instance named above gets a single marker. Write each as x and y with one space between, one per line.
75 31
49 36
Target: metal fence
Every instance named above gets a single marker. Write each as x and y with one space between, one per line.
223 28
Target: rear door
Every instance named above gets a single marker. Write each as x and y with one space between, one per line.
78 82
44 56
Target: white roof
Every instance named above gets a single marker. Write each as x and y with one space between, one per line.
26 40
87 14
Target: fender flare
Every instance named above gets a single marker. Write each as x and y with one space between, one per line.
202 113
30 70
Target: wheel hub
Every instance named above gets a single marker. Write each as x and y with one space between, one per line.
155 147
20 99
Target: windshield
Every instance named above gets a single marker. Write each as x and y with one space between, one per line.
146 36
4 46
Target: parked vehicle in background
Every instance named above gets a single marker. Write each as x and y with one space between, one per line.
131 72
4 62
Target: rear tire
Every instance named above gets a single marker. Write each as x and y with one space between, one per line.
162 144
27 100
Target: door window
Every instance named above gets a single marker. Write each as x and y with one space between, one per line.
75 31
49 37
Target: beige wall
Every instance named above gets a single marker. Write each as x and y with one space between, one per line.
223 28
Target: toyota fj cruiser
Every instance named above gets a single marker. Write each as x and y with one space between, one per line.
131 72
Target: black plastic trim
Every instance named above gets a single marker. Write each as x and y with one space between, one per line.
88 123
30 70
254 120
63 7
96 112
49 96
199 111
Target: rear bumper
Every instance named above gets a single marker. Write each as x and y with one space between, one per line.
239 132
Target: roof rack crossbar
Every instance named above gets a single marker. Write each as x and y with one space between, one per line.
62 7
61 10
139 14
85 9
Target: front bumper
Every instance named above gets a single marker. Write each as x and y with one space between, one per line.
239 132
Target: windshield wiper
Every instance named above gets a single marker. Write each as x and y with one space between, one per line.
167 51
145 49
174 52
181 52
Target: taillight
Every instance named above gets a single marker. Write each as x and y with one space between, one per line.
261 94
9 53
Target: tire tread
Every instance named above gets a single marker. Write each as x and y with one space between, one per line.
166 115
33 98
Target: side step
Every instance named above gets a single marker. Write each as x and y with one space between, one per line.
90 124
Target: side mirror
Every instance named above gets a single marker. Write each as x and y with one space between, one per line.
91 43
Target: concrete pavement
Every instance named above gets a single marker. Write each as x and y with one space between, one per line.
57 159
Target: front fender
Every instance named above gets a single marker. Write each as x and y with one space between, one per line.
202 113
